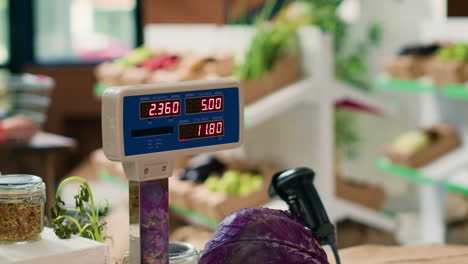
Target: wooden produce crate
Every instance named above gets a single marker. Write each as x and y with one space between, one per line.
366 195
407 67
218 205
448 72
285 71
444 139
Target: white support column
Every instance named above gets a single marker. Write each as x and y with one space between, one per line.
325 76
325 178
432 203
431 197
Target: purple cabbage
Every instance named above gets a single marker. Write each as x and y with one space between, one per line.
263 236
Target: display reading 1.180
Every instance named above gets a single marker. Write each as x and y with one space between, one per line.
204 104
201 130
160 108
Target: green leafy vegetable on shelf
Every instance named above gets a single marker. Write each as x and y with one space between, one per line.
456 52
235 183
271 41
135 57
86 221
345 133
351 59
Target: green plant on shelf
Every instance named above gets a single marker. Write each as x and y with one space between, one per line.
86 220
346 136
351 59
270 42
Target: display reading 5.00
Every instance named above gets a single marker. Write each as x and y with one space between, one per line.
204 104
201 130
160 108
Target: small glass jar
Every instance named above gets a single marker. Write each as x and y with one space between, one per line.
182 253
179 253
22 199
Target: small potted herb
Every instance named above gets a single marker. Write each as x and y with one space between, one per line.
84 220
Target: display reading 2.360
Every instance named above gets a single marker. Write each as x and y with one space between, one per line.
160 108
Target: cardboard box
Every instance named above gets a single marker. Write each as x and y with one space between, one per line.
350 234
196 236
448 72
424 254
407 67
285 71
445 139
109 73
366 195
180 192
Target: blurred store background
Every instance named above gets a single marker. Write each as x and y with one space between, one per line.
370 93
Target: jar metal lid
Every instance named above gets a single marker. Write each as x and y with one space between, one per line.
19 181
16 188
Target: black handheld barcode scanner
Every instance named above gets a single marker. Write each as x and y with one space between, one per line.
296 188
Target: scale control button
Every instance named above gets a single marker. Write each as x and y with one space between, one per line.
156 170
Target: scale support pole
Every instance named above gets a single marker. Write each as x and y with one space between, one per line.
149 222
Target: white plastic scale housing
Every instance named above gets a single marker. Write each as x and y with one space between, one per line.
158 164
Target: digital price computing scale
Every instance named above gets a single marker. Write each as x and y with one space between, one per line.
146 127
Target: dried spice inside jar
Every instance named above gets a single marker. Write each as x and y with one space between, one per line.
20 222
22 199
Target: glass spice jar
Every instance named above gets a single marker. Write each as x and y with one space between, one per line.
22 199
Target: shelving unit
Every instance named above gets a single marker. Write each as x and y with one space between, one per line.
385 83
271 105
318 92
446 174
458 183
193 217
440 171
456 91
451 91
450 172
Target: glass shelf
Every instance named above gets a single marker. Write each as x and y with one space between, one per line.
457 183
452 91
410 86
194 217
456 91
409 174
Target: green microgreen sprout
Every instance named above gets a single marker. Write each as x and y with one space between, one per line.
86 221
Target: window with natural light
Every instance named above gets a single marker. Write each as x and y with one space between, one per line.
84 30
3 31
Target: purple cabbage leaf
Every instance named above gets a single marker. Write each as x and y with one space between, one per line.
263 236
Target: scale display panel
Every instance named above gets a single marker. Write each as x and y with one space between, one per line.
180 120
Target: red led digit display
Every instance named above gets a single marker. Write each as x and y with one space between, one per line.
201 130
204 104
160 108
